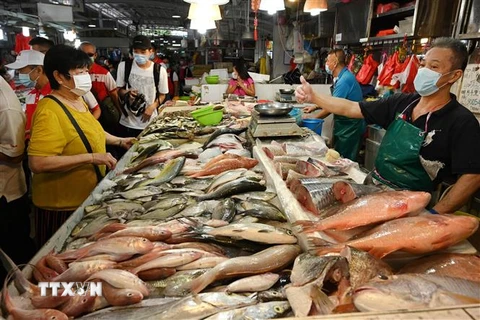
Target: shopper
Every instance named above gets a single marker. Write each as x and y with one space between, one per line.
184 72
241 83
14 208
347 133
140 76
104 89
172 79
67 161
430 135
41 44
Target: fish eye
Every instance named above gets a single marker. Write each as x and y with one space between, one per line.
278 309
129 294
289 232
84 300
382 277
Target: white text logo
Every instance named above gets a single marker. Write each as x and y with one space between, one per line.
70 288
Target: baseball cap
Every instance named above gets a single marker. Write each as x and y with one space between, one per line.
27 58
141 42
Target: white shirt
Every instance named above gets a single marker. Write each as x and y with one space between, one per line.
144 82
12 143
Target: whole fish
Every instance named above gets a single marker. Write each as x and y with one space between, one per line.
255 195
163 214
227 142
116 207
92 227
263 209
80 271
169 202
121 246
135 262
225 177
255 283
121 297
144 153
174 286
271 259
225 165
202 263
225 211
410 291
267 310
121 279
56 264
209 247
140 192
152 233
169 261
464 266
233 187
370 209
42 272
171 169
160 157
257 232
221 131
78 305
418 235
225 156
364 267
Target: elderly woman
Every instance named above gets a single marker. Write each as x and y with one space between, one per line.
241 83
67 147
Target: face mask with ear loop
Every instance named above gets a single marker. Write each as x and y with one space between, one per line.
24 79
425 81
83 84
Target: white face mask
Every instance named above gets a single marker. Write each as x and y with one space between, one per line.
235 75
83 84
425 81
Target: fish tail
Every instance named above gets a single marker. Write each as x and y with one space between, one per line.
200 283
322 247
21 282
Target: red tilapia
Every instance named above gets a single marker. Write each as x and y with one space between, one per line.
370 209
225 165
219 158
417 235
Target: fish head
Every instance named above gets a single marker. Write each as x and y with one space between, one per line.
52 314
143 245
280 308
393 293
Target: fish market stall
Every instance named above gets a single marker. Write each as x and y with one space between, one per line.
194 223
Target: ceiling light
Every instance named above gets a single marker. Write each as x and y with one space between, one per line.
315 6
272 6
215 2
204 12
26 31
92 25
176 45
176 17
202 25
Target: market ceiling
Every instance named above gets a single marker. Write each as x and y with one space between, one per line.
148 14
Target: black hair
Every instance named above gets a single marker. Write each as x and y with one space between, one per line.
339 54
459 49
63 58
241 69
40 41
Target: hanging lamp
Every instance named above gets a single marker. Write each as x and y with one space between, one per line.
314 7
202 25
204 12
272 6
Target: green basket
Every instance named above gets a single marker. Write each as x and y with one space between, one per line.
210 119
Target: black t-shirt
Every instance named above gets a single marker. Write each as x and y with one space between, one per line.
452 144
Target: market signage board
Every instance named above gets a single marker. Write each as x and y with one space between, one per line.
470 89
55 13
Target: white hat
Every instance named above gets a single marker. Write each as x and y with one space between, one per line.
27 58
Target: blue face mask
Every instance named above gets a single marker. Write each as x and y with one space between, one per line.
426 81
140 58
24 79
328 69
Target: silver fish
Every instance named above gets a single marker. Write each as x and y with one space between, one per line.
225 211
225 177
171 169
257 232
267 310
263 209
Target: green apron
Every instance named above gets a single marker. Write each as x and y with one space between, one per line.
347 136
398 161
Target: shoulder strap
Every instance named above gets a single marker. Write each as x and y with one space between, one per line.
156 78
80 133
128 69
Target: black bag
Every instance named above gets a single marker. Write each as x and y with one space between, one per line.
80 134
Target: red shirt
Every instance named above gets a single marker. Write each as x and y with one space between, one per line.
102 82
31 101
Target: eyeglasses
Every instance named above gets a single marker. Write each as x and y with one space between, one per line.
90 54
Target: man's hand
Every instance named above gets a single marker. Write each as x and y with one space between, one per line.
309 109
304 92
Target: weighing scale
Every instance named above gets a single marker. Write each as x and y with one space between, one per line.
282 126
285 97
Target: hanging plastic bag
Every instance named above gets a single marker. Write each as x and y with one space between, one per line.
365 75
388 70
412 73
297 40
399 73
